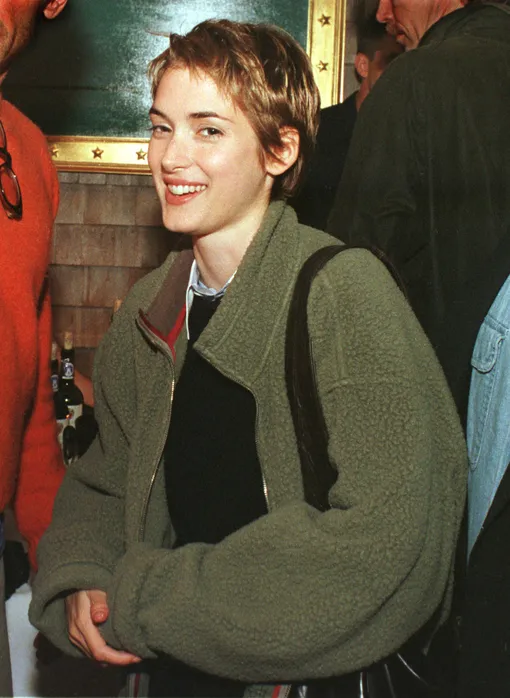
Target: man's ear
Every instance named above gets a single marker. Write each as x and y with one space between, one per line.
361 65
54 8
286 155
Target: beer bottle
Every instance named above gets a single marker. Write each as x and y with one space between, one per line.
69 398
54 367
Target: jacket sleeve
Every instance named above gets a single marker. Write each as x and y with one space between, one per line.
86 537
41 467
380 192
302 594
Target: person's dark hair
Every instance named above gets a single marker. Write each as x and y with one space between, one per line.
264 71
370 34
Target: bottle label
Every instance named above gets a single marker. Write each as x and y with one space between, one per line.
73 412
54 382
67 369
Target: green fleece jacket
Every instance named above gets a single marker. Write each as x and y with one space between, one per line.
296 594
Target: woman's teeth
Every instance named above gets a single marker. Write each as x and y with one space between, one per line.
181 189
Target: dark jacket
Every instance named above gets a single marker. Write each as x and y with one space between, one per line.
428 177
315 199
296 593
484 668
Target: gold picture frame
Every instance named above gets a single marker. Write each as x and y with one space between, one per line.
325 46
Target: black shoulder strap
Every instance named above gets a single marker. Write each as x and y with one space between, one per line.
307 415
319 475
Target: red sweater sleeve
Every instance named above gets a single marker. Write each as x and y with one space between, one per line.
41 468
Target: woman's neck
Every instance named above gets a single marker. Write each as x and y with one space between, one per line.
219 254
215 270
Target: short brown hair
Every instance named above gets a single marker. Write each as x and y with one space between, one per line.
264 71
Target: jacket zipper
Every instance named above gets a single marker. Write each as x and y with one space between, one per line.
158 343
262 474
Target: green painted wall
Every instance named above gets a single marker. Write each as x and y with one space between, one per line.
85 73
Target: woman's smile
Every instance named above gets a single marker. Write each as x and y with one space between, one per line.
206 160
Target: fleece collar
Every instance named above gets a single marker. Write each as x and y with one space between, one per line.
238 337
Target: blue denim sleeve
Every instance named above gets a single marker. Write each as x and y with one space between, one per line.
488 424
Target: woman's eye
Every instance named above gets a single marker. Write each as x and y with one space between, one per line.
158 129
210 132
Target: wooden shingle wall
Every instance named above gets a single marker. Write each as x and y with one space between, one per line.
108 234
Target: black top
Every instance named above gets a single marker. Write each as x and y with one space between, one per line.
484 667
315 199
213 477
213 480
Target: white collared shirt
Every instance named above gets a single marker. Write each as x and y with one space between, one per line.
197 288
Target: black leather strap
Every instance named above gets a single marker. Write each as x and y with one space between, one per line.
309 423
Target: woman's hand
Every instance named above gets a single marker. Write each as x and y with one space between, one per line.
85 610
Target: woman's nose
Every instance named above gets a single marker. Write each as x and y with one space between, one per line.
177 154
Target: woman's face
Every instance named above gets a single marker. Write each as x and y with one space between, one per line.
206 160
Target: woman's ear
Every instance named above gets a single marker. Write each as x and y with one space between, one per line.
285 156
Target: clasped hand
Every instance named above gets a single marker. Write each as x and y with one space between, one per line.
85 611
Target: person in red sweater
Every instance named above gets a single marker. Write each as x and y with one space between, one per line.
31 467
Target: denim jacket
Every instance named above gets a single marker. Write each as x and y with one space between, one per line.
488 424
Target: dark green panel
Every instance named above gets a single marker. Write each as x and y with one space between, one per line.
85 73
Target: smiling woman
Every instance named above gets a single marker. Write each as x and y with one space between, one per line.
99 52
185 535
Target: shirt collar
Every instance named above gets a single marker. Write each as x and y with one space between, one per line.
196 287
